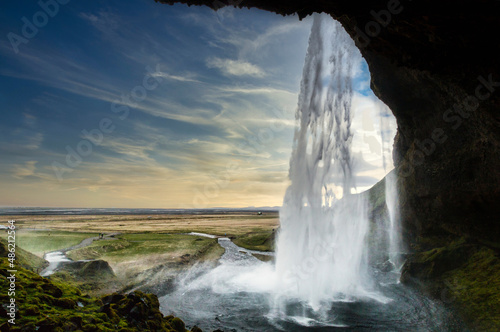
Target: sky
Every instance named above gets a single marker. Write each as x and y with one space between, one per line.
134 104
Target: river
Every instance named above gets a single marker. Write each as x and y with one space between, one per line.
237 295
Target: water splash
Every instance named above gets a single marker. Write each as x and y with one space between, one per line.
321 253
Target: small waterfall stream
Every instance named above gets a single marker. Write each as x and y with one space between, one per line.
392 202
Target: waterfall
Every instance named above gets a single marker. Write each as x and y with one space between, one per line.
321 252
392 202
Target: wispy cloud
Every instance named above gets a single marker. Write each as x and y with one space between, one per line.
235 67
176 77
22 171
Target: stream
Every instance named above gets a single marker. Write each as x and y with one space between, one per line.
55 258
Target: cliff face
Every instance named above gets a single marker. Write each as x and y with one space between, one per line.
435 66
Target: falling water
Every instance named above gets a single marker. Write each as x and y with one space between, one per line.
392 202
321 246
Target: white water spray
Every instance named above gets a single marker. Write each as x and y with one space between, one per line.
321 245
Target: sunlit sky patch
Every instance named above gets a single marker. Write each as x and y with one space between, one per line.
213 129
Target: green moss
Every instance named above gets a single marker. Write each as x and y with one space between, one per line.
32 310
463 275
178 325
476 287
50 305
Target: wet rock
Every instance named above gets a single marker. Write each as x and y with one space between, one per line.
386 266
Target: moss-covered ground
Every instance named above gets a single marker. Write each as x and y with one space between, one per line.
43 304
463 275
476 286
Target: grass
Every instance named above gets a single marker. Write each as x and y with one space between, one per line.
24 258
234 224
257 240
39 242
139 252
143 259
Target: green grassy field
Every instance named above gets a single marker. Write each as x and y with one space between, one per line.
143 251
262 240
39 242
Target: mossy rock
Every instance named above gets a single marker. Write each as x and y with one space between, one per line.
52 290
32 310
46 324
90 328
65 303
52 306
464 276
177 324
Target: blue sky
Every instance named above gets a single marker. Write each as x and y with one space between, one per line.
198 106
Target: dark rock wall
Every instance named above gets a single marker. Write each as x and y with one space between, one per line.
430 63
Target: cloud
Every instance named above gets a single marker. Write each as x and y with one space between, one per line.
21 141
22 171
29 120
258 90
235 67
175 77
106 22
